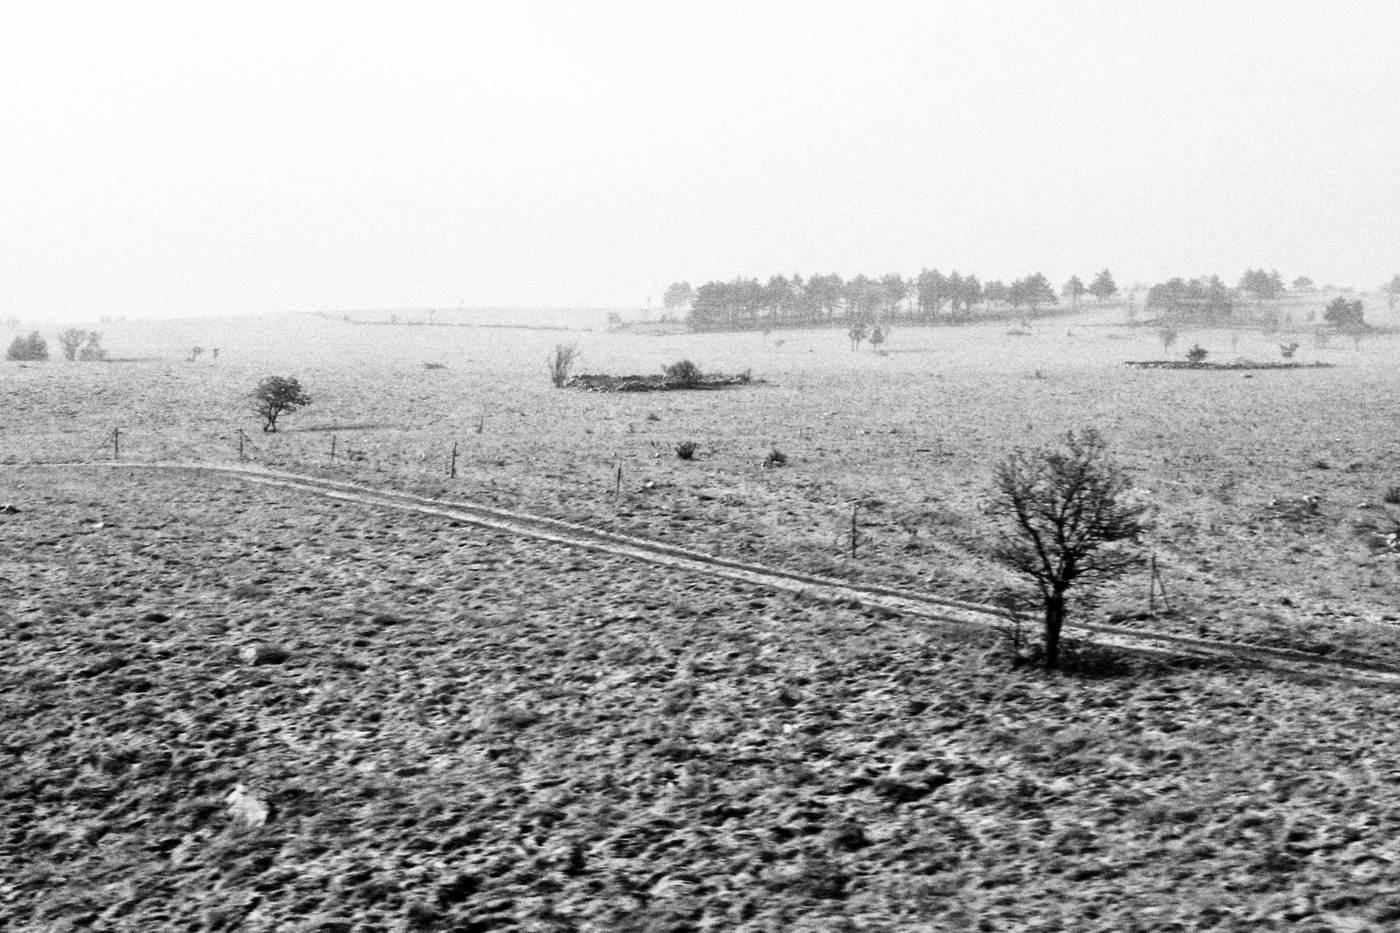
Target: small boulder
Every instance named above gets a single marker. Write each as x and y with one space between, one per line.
247 807
261 653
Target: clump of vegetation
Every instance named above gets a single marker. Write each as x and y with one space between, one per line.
775 458
561 363
1392 495
276 396
1288 349
686 450
28 349
1345 315
81 344
1197 354
877 337
195 353
1069 521
683 373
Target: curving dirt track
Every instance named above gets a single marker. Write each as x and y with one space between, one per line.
948 612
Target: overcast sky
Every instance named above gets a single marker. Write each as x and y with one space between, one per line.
198 159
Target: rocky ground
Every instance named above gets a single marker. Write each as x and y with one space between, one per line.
228 708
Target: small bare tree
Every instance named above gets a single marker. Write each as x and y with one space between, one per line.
561 364
70 340
1069 521
857 332
275 396
1168 337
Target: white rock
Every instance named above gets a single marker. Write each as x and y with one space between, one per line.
245 806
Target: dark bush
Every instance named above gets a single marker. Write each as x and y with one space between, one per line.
31 348
775 458
1345 315
1197 354
685 450
684 373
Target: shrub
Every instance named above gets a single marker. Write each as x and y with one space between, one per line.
1288 349
561 363
1197 354
1345 315
775 458
683 373
275 396
685 450
31 348
1392 495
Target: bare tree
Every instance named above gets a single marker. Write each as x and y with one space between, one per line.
81 344
562 363
275 396
857 332
70 340
1068 521
1168 337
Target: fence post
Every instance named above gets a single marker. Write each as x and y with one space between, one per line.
1162 587
116 443
453 471
240 445
617 486
855 532
332 448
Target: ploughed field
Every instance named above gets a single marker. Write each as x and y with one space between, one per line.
469 731
461 730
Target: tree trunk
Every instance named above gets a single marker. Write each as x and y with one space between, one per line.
1054 621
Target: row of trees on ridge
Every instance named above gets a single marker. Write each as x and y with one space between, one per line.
826 299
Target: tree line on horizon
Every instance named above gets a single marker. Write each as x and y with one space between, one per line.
745 304
819 300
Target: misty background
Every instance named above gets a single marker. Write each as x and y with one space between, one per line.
177 160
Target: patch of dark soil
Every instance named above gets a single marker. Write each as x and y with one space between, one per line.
660 383
1237 365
